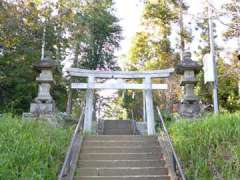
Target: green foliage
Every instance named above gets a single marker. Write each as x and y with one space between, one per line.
132 101
87 27
19 54
151 50
21 31
228 87
232 7
95 35
113 110
140 51
168 119
148 53
160 14
31 150
209 145
100 34
227 73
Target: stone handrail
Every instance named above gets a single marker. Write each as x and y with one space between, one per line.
176 162
71 158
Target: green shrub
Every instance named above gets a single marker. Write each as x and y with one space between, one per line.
168 119
31 150
209 146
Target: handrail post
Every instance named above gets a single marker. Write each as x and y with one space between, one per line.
174 163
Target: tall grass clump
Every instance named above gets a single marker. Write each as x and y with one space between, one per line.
209 147
31 150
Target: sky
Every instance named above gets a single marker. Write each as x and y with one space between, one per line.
130 12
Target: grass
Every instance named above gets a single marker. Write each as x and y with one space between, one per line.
31 150
209 147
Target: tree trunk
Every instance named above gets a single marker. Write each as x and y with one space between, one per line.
75 62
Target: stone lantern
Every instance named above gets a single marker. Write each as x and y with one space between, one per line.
188 68
44 104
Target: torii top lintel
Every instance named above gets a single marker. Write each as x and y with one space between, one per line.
76 72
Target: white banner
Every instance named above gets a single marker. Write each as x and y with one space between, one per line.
208 68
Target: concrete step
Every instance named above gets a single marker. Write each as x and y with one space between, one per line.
128 127
121 171
120 163
120 137
117 127
120 149
117 124
159 177
120 156
120 143
147 140
113 131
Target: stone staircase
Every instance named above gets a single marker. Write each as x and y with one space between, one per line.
120 155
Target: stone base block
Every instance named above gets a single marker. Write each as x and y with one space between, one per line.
31 116
191 99
42 108
50 118
28 116
190 110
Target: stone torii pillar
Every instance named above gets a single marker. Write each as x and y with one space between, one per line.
89 105
149 106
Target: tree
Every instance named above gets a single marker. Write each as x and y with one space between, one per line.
21 29
95 36
88 28
232 8
227 75
152 50
100 36
228 86
19 54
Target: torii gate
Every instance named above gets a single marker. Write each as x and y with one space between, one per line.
146 86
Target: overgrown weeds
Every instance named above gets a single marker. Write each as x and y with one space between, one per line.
209 147
31 150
